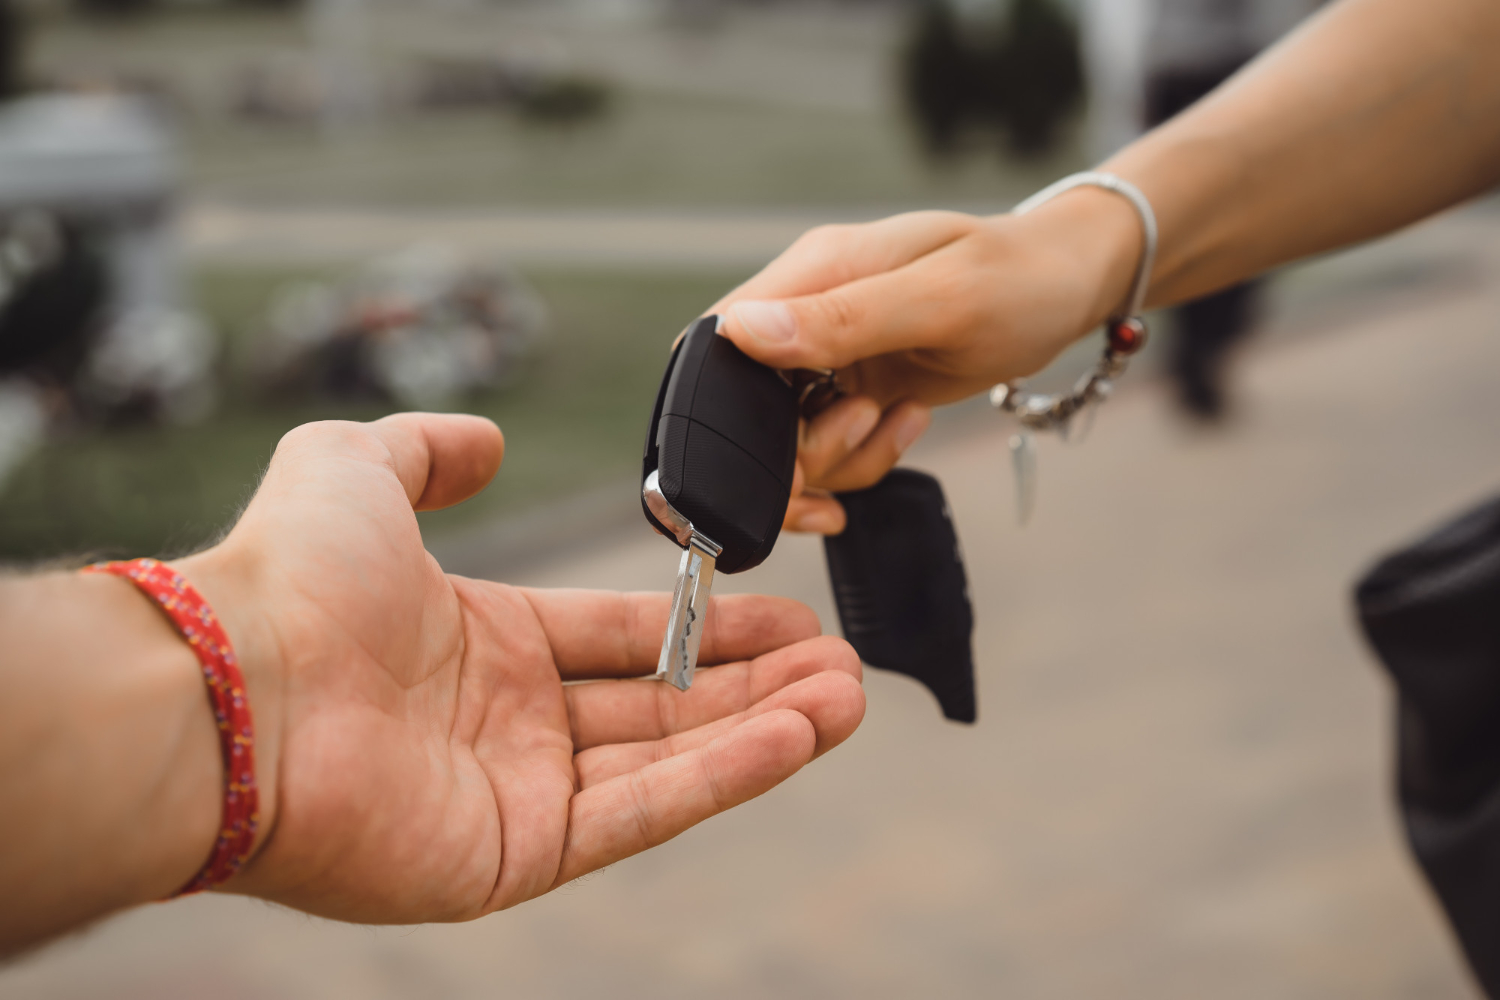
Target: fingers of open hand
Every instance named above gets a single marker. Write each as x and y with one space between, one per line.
598 633
629 711
441 458
833 702
643 808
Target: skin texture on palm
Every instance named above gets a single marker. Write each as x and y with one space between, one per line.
434 764
429 747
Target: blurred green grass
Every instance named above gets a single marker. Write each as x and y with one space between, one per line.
574 420
652 150
655 147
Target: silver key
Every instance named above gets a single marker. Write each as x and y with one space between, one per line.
695 579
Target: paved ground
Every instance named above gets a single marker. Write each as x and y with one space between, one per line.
1177 787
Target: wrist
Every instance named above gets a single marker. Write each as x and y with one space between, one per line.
1097 236
227 576
113 775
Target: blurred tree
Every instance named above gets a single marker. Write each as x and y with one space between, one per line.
113 8
1040 74
12 50
1022 77
938 82
563 100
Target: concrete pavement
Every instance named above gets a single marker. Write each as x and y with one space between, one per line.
1178 785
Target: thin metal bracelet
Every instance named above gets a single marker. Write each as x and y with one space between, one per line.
1125 331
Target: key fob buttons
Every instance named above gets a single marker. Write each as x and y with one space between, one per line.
723 443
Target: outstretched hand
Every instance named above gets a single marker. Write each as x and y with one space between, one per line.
423 754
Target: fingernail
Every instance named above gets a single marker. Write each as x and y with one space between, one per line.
771 322
864 422
911 427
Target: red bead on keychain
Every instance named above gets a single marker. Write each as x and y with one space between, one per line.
1126 336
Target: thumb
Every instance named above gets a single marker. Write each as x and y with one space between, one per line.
441 459
813 331
894 311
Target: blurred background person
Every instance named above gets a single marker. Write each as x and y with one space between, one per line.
1147 61
1191 47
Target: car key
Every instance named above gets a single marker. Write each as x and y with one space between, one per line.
717 475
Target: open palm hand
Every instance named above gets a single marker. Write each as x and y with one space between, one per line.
422 754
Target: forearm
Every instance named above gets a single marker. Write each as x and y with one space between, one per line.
1375 114
110 771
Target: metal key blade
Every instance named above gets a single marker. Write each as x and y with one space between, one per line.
695 578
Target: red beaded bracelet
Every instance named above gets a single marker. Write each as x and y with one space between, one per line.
196 622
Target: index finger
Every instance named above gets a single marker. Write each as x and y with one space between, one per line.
832 255
918 305
599 633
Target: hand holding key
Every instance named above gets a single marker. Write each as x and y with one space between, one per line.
923 309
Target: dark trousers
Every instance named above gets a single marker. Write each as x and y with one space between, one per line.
1206 328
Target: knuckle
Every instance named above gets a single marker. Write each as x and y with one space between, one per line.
841 314
826 236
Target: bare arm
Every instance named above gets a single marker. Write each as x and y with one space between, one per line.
1374 114
418 753
110 777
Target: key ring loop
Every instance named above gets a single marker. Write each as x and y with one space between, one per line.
1125 331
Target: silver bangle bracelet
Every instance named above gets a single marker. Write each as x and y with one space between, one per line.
1125 334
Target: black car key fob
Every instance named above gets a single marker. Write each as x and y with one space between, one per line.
717 474
899 583
723 445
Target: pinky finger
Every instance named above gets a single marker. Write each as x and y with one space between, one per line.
639 810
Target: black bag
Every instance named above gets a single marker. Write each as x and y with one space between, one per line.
1432 613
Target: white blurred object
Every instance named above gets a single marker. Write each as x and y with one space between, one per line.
23 422
1125 41
162 357
422 327
107 166
1113 36
95 153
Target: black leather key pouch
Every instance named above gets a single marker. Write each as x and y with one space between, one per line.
899 583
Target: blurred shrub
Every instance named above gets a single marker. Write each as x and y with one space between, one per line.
563 99
939 77
12 53
113 8
1021 77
